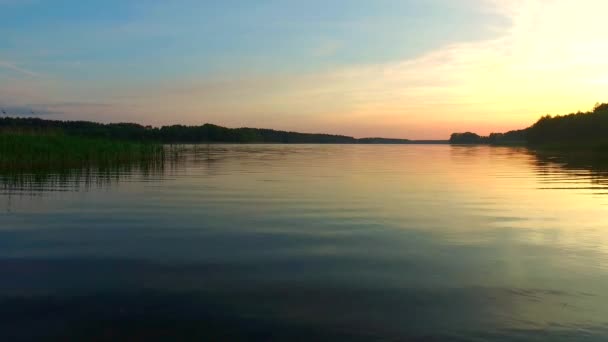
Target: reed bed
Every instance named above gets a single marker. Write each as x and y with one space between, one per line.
30 150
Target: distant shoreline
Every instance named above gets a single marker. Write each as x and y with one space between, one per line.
206 133
410 142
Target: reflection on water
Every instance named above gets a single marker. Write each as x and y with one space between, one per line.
276 242
575 169
58 176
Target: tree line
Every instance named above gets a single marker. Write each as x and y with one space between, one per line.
181 133
578 129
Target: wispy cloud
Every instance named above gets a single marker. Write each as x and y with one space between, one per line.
26 110
15 67
326 48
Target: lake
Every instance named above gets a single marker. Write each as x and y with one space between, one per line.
309 242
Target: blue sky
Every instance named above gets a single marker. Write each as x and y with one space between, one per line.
133 60
149 39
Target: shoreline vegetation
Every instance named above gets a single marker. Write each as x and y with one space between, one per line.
180 134
35 159
30 143
582 132
33 149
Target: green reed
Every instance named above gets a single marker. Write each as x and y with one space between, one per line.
30 150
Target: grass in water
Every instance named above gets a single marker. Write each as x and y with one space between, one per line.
32 150
31 159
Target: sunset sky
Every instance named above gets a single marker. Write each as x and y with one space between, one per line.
417 69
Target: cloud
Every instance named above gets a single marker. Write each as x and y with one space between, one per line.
14 67
553 59
326 48
26 111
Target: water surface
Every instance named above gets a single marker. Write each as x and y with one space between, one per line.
328 242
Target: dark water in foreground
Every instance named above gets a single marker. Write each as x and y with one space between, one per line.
305 242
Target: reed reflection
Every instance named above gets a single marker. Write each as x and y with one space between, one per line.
77 176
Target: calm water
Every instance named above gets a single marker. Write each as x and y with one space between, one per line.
278 242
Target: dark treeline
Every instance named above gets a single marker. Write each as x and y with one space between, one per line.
582 129
183 134
509 138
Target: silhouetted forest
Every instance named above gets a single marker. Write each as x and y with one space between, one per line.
517 137
579 130
588 130
183 134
